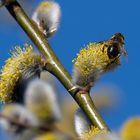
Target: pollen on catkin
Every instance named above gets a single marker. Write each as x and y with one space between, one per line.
44 5
90 134
96 59
53 136
83 127
91 56
15 67
47 136
90 62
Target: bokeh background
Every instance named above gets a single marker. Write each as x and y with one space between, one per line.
83 22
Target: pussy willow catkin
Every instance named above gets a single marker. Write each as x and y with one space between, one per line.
16 68
47 17
83 127
96 59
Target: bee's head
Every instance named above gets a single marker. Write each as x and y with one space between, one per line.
115 46
112 49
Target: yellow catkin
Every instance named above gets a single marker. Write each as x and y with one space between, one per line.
91 134
47 136
96 59
21 60
131 129
93 57
51 136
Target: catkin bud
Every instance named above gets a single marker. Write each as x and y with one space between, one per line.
47 17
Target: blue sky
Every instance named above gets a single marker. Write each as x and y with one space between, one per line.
88 21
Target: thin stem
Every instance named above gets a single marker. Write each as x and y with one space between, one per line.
14 121
54 66
26 125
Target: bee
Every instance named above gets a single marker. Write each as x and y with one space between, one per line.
97 59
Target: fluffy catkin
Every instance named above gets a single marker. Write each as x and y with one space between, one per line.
40 98
96 59
84 129
22 62
131 129
47 17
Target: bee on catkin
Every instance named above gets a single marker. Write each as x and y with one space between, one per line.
47 17
97 59
23 66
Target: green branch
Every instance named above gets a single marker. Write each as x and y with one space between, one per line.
54 66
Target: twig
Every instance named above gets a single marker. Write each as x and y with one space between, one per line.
14 121
40 128
18 123
54 66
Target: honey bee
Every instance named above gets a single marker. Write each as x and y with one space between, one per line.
97 59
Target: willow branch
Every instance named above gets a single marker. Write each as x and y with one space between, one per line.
54 66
